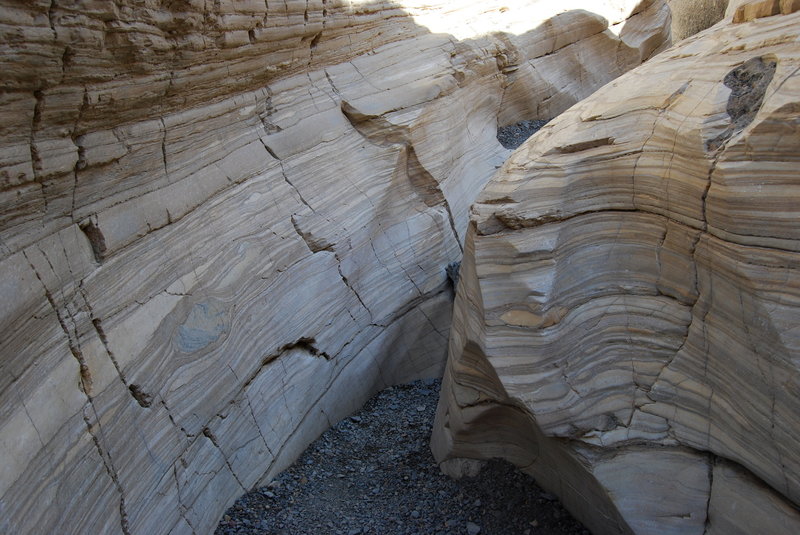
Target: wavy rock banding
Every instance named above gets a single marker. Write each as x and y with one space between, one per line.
224 225
625 327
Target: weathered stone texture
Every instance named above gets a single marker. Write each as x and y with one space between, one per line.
692 16
625 326
223 225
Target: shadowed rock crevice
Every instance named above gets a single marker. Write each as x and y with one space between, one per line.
142 398
305 344
95 237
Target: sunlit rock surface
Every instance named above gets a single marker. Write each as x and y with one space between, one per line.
224 225
626 322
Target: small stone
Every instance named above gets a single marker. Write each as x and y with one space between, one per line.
356 419
361 479
420 408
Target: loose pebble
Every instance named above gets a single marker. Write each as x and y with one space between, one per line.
373 473
514 135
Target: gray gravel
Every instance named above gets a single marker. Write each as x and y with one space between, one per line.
373 473
514 135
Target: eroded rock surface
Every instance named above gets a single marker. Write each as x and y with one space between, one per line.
224 225
692 16
625 326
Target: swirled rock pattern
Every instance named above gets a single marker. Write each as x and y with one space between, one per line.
224 225
625 326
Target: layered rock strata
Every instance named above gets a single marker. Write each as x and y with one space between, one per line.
225 224
625 326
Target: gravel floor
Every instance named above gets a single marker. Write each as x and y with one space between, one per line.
514 135
374 474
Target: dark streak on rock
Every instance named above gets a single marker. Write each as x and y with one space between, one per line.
748 83
308 345
142 398
585 145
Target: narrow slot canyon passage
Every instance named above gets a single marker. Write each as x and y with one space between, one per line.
233 232
374 473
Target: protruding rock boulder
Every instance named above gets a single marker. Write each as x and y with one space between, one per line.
626 322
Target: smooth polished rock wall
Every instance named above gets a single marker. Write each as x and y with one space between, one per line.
625 326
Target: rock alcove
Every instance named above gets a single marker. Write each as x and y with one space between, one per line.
224 228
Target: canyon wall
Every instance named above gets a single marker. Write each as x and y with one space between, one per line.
224 225
626 322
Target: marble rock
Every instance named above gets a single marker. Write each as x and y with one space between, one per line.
626 321
224 225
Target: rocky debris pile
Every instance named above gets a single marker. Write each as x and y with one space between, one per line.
373 473
512 136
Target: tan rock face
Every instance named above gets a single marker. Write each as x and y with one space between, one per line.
224 225
625 327
692 16
748 11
